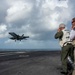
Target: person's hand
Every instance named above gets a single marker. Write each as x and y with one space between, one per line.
74 38
59 30
73 27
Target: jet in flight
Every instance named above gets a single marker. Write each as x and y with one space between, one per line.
17 37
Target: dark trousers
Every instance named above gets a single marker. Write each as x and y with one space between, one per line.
67 50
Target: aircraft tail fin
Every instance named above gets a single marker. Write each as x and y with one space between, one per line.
23 35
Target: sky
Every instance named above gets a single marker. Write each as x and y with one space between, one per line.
38 19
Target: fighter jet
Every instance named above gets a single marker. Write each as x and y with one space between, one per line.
17 37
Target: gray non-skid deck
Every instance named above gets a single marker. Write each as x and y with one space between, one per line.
33 63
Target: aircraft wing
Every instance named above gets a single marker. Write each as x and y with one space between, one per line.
13 34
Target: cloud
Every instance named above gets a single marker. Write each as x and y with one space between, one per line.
3 28
38 19
3 31
3 35
55 12
3 9
52 4
18 10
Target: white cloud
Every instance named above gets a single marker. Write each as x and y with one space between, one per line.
3 31
42 15
3 28
55 12
18 10
42 18
27 30
52 4
35 18
51 14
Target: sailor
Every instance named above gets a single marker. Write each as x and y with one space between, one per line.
72 33
72 37
66 46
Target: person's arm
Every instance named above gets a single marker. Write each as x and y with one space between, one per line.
72 35
59 35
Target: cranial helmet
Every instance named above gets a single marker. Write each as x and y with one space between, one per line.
61 25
